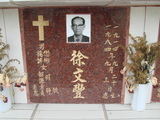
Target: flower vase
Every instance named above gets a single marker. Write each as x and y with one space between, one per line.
140 96
5 106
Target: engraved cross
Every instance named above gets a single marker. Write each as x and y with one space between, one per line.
40 23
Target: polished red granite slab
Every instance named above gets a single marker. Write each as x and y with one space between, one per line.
61 72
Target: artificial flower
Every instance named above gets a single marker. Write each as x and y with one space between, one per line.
141 58
8 73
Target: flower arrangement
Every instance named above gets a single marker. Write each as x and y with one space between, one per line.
9 74
141 58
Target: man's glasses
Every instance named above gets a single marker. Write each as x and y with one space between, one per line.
80 25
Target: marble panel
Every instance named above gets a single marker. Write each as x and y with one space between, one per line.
62 72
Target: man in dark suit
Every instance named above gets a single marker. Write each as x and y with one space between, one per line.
78 25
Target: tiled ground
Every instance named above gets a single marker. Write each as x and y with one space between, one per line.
80 112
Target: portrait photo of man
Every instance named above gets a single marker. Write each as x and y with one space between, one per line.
78 28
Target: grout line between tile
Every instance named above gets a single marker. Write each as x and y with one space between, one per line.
34 112
104 111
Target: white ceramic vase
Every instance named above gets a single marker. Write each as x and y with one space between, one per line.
6 106
140 96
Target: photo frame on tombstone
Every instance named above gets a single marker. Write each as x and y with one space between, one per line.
78 28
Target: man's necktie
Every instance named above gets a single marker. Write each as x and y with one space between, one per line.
77 40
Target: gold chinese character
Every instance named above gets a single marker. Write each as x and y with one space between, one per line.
114 76
107 63
48 77
35 92
105 96
39 60
42 89
40 74
79 75
108 26
115 42
78 71
107 49
46 53
112 95
48 91
39 53
116 26
110 89
116 35
78 88
55 90
47 60
114 82
79 78
115 63
43 67
77 58
110 70
115 48
41 80
41 46
111 56
108 42
106 79
158 95
108 34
